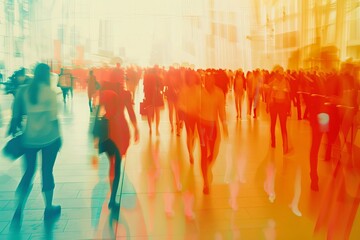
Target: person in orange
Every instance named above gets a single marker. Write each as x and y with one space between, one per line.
66 83
190 108
114 99
92 86
212 107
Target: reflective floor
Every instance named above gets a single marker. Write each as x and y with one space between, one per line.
256 193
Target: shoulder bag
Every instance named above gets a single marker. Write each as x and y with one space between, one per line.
14 149
101 127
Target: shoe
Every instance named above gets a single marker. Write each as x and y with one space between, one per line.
272 197
16 220
113 206
206 190
288 152
295 210
52 212
191 160
314 186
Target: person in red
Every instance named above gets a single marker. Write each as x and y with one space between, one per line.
113 102
173 83
133 76
117 74
279 105
239 88
153 91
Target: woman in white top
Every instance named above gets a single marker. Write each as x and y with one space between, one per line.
41 133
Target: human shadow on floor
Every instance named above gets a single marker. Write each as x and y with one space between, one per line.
129 218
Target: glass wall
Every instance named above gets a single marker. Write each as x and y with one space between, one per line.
206 33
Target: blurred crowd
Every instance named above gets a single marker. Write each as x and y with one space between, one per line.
197 100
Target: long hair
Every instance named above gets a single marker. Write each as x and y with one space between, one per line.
41 76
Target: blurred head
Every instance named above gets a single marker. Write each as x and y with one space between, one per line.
209 81
21 72
42 74
278 69
192 77
19 76
347 68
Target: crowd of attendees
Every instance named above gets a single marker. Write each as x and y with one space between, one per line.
327 98
197 99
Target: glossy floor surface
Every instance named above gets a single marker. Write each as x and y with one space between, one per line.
256 193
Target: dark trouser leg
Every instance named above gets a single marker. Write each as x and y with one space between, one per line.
25 184
298 105
237 105
316 136
207 135
334 128
49 154
171 112
212 140
256 102
306 111
250 105
282 117
150 116
157 119
112 151
204 165
64 93
204 153
273 116
90 105
117 172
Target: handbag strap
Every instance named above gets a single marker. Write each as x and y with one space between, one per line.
97 111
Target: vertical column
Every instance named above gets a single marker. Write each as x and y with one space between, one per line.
303 12
340 36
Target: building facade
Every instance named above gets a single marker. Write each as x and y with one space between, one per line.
205 33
